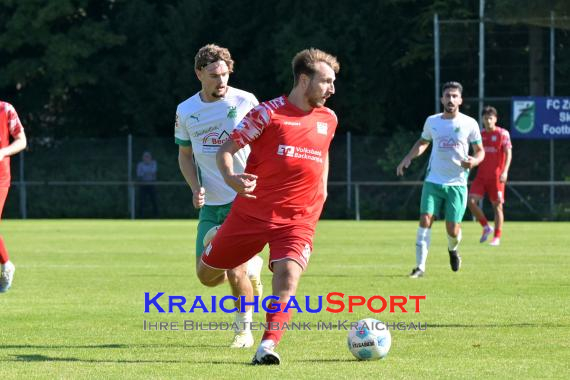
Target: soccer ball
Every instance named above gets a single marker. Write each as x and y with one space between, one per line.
369 340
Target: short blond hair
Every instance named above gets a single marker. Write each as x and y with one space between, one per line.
304 62
213 53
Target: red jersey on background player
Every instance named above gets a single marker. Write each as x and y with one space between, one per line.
492 175
282 190
9 126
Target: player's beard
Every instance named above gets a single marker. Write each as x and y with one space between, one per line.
450 108
220 94
315 99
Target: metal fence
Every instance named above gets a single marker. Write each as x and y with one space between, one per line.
94 178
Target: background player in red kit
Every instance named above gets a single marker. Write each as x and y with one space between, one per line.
282 190
492 175
9 126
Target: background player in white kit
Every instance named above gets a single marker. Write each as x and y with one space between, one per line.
203 123
445 185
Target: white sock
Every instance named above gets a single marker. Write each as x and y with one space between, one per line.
267 343
254 266
243 321
423 239
453 242
7 263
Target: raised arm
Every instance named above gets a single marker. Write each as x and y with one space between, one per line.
417 150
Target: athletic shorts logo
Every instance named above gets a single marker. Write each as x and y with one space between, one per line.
322 128
500 195
207 250
286 150
306 253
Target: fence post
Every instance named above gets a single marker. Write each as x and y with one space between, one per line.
348 170
357 200
552 66
131 188
23 195
436 60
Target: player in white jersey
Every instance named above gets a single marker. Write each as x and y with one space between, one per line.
203 123
445 185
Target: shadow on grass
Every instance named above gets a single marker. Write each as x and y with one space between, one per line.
351 275
103 346
494 325
44 358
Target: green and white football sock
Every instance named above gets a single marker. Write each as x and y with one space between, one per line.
453 242
423 240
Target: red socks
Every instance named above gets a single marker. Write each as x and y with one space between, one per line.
3 252
275 322
483 222
498 233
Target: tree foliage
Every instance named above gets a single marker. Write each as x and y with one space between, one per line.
110 67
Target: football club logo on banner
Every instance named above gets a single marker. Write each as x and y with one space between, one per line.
523 115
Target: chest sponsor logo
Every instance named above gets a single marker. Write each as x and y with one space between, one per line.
213 140
322 128
286 150
447 143
300 152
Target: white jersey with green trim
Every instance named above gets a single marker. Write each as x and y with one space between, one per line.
205 127
450 139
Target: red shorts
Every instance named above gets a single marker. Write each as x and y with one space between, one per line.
3 195
240 238
494 188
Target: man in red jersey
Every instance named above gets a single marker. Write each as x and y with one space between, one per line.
282 190
9 126
492 175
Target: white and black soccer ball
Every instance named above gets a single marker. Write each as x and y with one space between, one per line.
369 340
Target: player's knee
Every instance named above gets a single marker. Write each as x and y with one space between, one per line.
237 274
207 277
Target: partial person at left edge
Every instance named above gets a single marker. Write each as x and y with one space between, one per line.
10 125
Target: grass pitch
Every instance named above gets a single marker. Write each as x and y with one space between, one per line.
76 306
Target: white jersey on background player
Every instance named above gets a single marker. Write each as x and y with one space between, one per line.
451 139
206 126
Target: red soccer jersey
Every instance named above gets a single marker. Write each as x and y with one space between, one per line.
9 125
495 144
288 152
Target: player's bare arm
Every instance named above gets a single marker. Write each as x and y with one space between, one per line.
18 144
417 150
188 169
244 183
508 159
478 155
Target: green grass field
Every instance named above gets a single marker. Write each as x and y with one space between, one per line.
76 306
